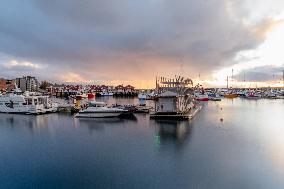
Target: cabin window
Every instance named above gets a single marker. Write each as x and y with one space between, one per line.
9 105
30 102
40 101
35 101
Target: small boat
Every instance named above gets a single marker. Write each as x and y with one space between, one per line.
201 95
128 107
151 96
99 110
142 109
142 95
214 97
105 93
142 99
81 96
252 95
271 94
231 95
91 96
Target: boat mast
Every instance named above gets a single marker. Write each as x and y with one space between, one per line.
227 82
283 78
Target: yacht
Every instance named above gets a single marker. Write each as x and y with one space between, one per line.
99 110
25 104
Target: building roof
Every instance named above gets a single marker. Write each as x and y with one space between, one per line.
168 94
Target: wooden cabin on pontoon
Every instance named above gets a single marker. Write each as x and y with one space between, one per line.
174 100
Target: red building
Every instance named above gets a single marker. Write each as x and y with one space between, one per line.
3 85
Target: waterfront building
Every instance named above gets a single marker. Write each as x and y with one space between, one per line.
129 89
119 89
7 84
3 84
27 83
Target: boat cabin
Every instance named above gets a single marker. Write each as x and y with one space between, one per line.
96 104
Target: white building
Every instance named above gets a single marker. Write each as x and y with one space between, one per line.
27 83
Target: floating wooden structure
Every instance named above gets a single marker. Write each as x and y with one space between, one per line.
174 99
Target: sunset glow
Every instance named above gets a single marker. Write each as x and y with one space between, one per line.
116 46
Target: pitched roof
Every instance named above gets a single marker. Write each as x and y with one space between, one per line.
168 94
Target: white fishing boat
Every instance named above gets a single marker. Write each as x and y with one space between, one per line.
214 97
99 110
201 95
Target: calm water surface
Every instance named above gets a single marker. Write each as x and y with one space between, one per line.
246 150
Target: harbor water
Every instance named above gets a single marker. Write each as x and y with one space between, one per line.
235 143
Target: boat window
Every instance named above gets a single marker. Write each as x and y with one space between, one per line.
40 101
9 105
30 102
35 101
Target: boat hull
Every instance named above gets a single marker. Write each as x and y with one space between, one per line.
202 99
215 99
98 114
231 95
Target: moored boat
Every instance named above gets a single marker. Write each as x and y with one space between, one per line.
230 95
15 103
91 96
252 95
214 97
99 110
201 95
81 96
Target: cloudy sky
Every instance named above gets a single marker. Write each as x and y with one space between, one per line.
131 41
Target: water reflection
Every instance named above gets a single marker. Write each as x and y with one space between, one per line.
99 124
172 132
30 122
